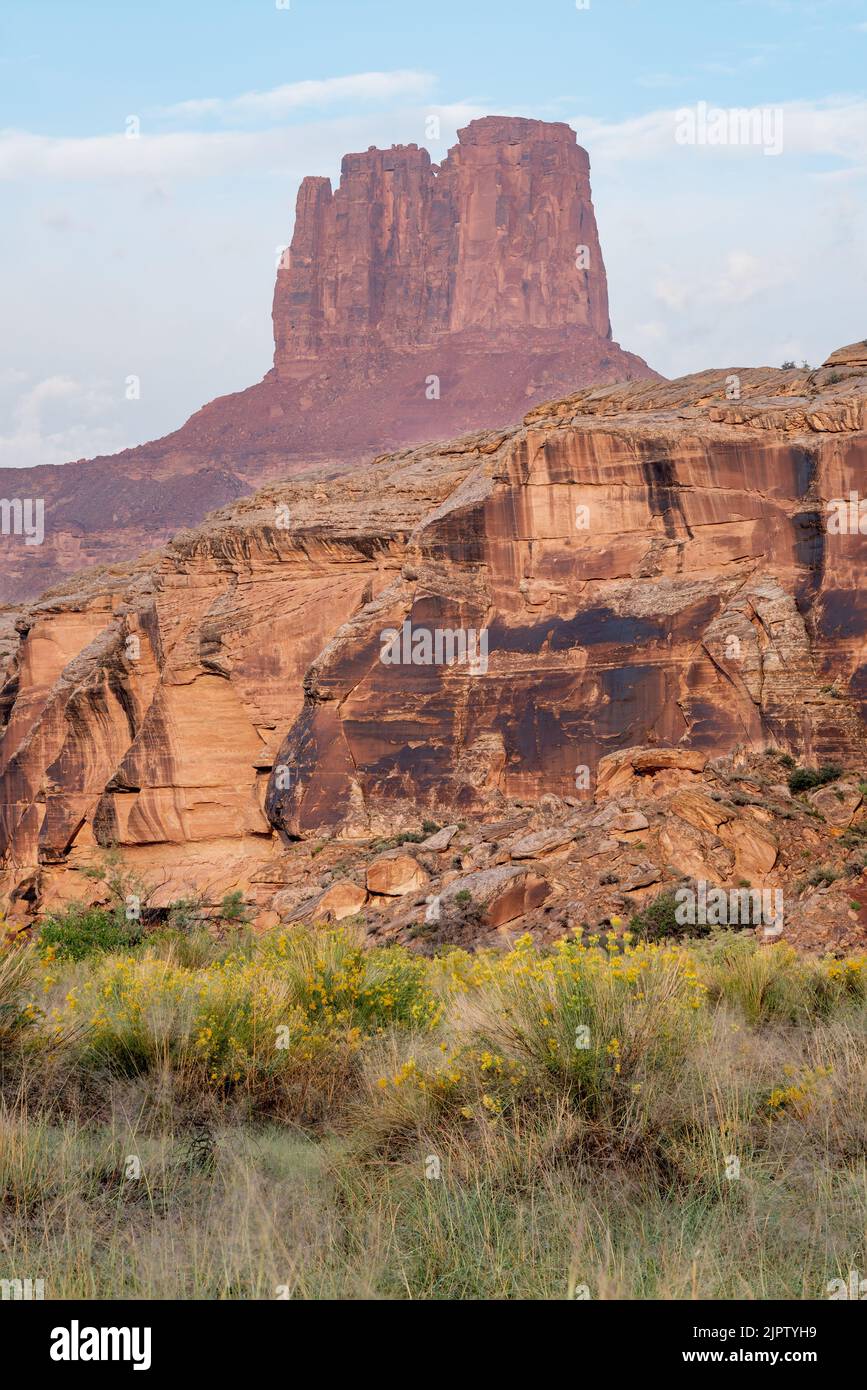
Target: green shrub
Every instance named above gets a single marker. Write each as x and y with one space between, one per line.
403 837
81 931
805 778
775 982
185 914
658 919
823 875
233 907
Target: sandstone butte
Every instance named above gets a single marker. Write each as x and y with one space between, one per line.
219 709
467 272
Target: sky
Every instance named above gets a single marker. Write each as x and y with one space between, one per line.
150 155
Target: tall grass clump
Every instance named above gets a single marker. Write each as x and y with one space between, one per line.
649 1119
775 982
282 1016
17 974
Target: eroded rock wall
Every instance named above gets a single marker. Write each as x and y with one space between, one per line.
651 565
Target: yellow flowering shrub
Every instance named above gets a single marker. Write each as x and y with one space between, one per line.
298 995
586 1020
602 1024
774 981
589 1016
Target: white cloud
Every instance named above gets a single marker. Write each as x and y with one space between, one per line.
295 96
738 278
58 419
24 156
292 150
836 127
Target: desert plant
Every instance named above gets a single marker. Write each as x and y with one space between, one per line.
17 972
658 920
233 908
79 931
805 778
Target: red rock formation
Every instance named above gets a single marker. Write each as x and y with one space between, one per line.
418 303
215 699
404 252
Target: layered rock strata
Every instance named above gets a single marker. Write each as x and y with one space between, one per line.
649 565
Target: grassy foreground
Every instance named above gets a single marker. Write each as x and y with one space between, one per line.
294 1116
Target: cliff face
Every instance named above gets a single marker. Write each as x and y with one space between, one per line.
645 565
416 303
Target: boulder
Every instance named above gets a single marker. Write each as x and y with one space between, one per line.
504 894
439 842
617 772
542 843
754 848
641 877
837 803
396 874
628 824
341 899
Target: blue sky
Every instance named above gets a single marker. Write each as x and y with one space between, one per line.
155 256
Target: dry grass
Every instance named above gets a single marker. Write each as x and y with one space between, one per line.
649 1123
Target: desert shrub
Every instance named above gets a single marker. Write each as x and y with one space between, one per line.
583 1101
657 920
853 835
806 778
403 837
185 914
81 931
823 875
594 1029
233 907
193 948
772 981
460 919
282 1019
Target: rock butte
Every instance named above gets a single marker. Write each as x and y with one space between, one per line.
204 705
466 272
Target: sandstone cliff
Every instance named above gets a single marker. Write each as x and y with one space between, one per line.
416 302
652 566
